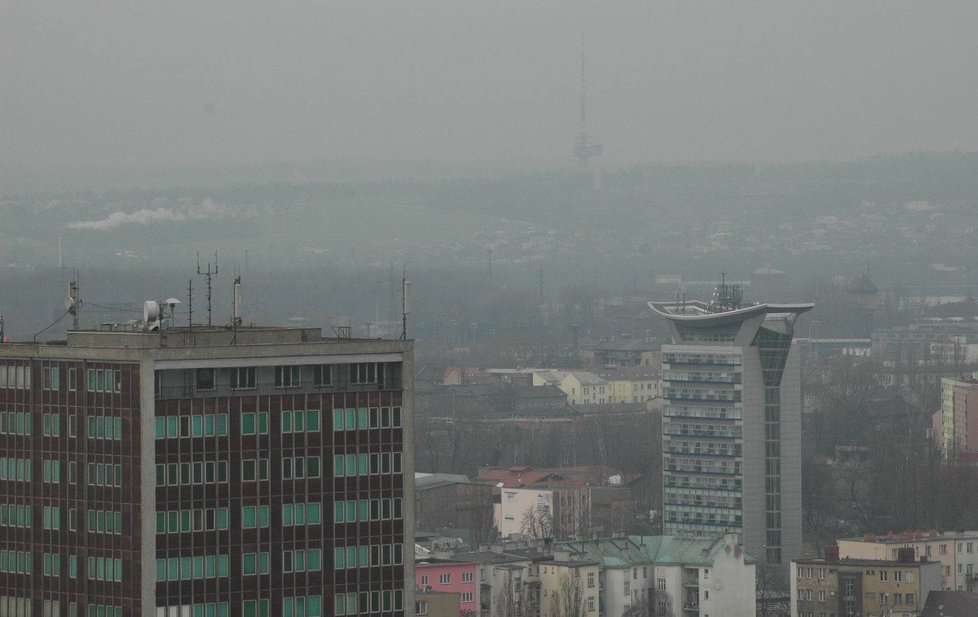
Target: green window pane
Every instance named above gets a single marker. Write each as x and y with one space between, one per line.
339 558
184 568
286 421
263 423
263 563
286 607
160 428
339 512
247 424
286 514
210 566
263 516
362 418
118 570
297 420
249 609
362 464
160 570
364 557
300 561
209 425
222 565
222 424
300 514
351 464
249 563
364 510
312 420
351 556
314 513
351 511
172 427
338 464
222 609
351 419
172 569
315 559
197 426
198 567
337 419
222 518
315 607
248 517
109 425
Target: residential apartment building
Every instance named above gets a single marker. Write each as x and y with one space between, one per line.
956 551
669 575
447 576
568 587
638 384
206 473
959 416
581 387
731 427
861 587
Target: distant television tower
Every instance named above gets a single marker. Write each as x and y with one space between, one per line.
585 148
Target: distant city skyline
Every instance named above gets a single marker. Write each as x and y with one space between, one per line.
187 84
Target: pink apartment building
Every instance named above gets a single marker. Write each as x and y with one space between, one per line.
442 575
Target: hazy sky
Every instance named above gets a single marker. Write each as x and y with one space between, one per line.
178 83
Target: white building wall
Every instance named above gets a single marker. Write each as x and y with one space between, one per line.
515 506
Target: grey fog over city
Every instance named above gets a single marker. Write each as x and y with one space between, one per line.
499 309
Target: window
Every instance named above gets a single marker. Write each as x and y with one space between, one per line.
322 375
287 376
72 379
467 597
445 579
254 469
467 577
363 373
205 379
884 575
421 608
942 549
243 377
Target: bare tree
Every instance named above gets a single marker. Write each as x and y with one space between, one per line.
537 523
509 602
567 600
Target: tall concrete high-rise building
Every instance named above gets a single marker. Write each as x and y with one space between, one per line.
731 428
206 473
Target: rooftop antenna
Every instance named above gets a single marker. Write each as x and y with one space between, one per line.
585 148
236 308
190 304
405 303
73 301
209 275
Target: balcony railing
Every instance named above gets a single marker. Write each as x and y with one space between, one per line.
262 389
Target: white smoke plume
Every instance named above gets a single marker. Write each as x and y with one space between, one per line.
180 212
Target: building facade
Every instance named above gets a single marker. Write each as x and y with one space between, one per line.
446 576
211 473
956 551
959 416
731 426
861 587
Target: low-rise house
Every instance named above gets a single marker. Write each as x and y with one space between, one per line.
670 575
449 576
550 503
862 586
634 384
956 551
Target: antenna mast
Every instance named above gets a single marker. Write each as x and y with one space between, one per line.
73 301
405 303
209 275
190 304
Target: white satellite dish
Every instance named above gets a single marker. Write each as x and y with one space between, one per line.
151 315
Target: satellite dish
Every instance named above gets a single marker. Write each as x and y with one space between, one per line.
172 302
151 315
69 302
